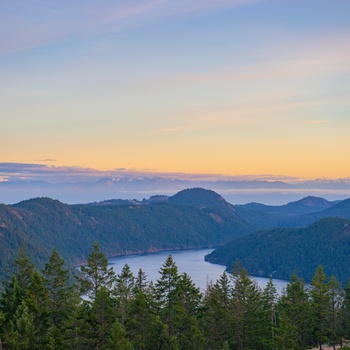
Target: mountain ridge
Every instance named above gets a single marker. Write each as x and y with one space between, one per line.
43 224
284 251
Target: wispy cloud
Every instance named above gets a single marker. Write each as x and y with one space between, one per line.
37 23
72 174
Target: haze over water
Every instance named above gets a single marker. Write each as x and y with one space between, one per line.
190 261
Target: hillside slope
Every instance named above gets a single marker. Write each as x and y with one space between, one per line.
282 251
341 209
42 224
300 213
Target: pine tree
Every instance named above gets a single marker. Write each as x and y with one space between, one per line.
217 320
225 345
248 308
2 319
96 274
286 334
294 304
103 314
140 311
78 330
117 339
38 304
321 307
336 298
56 279
270 299
157 335
11 299
59 292
167 295
345 312
23 331
125 282
140 282
22 268
190 311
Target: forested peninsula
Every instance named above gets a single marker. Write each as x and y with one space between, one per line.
284 251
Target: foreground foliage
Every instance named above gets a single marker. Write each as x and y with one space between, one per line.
42 310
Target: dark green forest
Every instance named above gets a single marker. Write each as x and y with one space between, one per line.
41 309
43 224
192 218
284 251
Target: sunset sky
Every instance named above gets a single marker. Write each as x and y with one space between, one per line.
228 87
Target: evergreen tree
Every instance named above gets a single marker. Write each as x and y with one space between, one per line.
270 299
321 307
218 314
38 304
167 295
53 339
158 335
286 334
11 299
248 309
96 274
225 345
294 305
56 279
23 269
140 282
336 298
79 330
345 312
117 339
123 292
190 312
140 311
103 314
2 319
212 319
22 331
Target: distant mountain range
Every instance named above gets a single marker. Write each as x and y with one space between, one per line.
295 214
72 187
192 218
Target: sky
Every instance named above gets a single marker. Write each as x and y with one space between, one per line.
230 87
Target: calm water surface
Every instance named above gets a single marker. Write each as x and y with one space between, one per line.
189 261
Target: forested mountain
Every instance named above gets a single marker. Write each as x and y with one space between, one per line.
294 214
43 224
284 251
305 205
202 199
341 209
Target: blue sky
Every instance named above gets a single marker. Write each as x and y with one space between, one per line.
224 87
